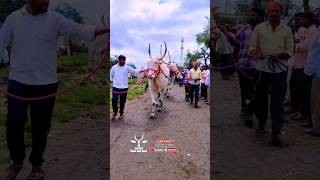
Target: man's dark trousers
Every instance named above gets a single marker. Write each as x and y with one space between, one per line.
247 86
278 87
17 116
187 91
204 91
194 91
116 92
296 89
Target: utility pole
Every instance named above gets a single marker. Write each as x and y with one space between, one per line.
181 60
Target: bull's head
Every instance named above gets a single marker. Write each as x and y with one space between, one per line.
174 67
154 63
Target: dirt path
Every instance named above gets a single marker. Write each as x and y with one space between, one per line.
76 150
240 154
187 126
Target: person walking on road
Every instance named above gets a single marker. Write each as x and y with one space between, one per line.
195 77
119 78
272 44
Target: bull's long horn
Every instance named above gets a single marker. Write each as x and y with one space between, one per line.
169 56
165 50
149 51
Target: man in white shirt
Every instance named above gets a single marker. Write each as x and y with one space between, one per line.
32 33
195 77
119 78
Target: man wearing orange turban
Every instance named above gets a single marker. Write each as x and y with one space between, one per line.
271 43
274 5
195 77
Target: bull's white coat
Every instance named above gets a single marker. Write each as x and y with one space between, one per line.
158 74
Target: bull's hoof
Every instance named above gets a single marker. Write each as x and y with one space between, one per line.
159 110
152 116
157 105
167 96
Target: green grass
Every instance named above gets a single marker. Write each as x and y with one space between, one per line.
67 107
134 91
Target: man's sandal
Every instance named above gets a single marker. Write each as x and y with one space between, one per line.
12 172
113 117
121 117
36 174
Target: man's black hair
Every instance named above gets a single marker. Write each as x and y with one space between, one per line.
259 11
121 57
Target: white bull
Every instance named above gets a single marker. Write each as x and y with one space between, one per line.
95 48
157 73
174 73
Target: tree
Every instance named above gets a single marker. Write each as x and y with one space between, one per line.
190 57
113 60
69 12
203 40
8 6
132 65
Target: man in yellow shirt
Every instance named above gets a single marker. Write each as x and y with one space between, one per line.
195 77
272 44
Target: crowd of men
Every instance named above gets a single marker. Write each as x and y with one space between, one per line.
197 83
274 59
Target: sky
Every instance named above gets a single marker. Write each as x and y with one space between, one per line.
134 25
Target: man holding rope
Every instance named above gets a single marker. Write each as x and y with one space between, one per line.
186 82
33 31
195 77
119 78
271 41
246 70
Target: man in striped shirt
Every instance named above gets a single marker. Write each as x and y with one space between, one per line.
246 69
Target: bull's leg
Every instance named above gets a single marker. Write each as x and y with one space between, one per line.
159 102
166 92
152 95
161 95
171 81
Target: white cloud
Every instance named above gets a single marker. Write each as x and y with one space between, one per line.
134 25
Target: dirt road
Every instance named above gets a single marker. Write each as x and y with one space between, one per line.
187 126
77 150
240 154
